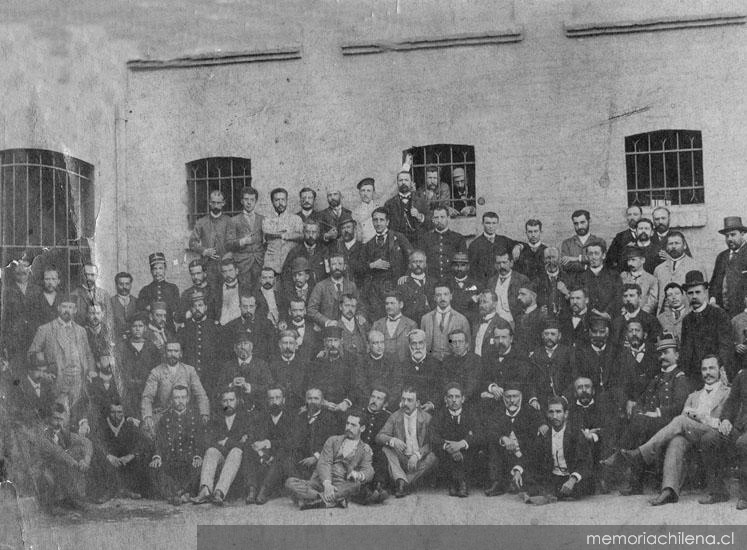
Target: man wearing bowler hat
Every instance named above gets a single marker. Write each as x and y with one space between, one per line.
731 265
705 330
159 290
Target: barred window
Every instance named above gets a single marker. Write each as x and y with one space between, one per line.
227 174
665 168
455 167
47 213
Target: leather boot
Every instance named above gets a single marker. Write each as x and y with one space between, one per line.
312 504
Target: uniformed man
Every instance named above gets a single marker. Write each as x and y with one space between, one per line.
200 341
159 290
441 244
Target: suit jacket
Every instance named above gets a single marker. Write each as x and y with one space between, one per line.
727 283
644 370
650 289
160 382
437 340
281 435
19 316
317 263
484 346
308 345
218 431
333 466
217 300
439 248
44 312
395 427
671 323
445 428
650 323
605 289
201 349
334 378
735 407
329 220
462 293
210 232
605 371
291 375
263 308
552 376
356 271
531 262
714 415
572 246
667 392
159 292
324 302
528 331
28 405
83 298
127 441
418 300
424 376
465 370
396 345
395 250
615 258
524 424
51 340
121 315
213 303
401 221
704 333
257 374
481 254
374 373
259 330
578 334
576 452
135 366
517 281
180 437
671 272
239 227
549 296
355 342
514 367
310 437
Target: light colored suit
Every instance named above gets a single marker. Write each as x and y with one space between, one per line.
687 429
437 340
395 428
396 345
671 272
248 257
161 381
67 348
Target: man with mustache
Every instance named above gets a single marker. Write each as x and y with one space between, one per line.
553 285
209 238
441 243
482 249
350 248
226 437
330 217
698 424
159 290
421 371
362 212
200 340
551 368
439 323
289 370
585 415
465 287
531 261
252 325
313 252
88 292
271 303
376 370
462 192
603 285
244 239
635 274
463 366
727 283
633 310
409 214
344 465
506 284
574 322
65 345
307 198
638 354
661 217
324 302
573 249
353 326
676 306
45 307
436 192
511 433
316 423
332 372
268 453
530 322
248 375
644 230
416 288
281 230
19 299
676 265
505 363
395 327
123 305
615 255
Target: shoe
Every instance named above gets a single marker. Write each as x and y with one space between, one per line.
665 497
203 497
342 503
132 495
742 504
452 490
494 490
218 497
311 504
461 491
251 495
175 500
401 490
713 498
262 497
611 461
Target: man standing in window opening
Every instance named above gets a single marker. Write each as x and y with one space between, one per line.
209 236
464 198
435 191
244 239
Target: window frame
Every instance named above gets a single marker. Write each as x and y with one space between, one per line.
231 184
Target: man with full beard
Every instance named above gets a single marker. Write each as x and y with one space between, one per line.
615 255
330 217
728 280
635 274
644 229
676 265
281 229
208 239
324 302
573 249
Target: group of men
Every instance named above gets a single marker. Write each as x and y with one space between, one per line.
344 354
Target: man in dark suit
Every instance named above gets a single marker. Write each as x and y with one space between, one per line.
376 369
485 324
136 358
315 424
563 466
466 288
440 244
727 282
309 340
531 260
19 300
603 285
159 290
330 217
531 321
551 364
289 370
324 302
198 274
456 433
200 340
271 303
510 431
639 355
553 285
227 299
416 288
45 309
463 366
312 251
421 371
248 375
586 416
506 363
407 442
301 283
350 247
395 327
409 214
574 322
616 254
268 452
384 260
331 371
632 310
252 325
227 435
573 254
705 330
244 238
506 284
354 327
376 415
34 394
307 198
482 250
734 425
123 305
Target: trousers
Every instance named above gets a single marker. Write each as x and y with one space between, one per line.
397 463
213 460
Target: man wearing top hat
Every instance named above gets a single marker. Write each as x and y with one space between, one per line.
705 330
159 290
727 282
361 213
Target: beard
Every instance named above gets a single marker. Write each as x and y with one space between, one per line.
644 238
404 189
333 203
216 211
228 411
584 397
275 409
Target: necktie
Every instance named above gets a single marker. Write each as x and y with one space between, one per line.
380 240
244 365
441 322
